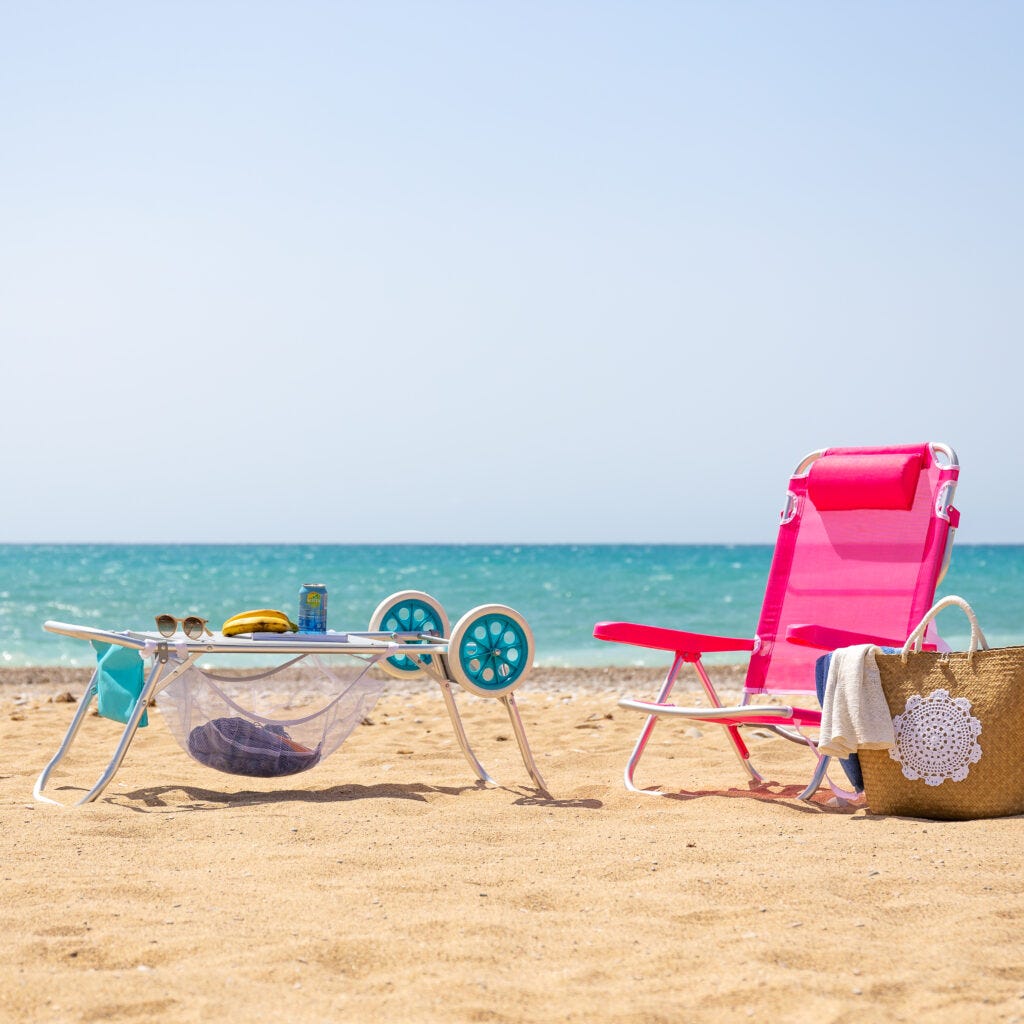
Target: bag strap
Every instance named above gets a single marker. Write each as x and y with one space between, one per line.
977 637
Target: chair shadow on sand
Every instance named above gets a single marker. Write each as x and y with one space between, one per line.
766 792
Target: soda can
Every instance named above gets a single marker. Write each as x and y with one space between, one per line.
313 608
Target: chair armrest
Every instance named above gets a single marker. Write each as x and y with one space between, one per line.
668 639
825 638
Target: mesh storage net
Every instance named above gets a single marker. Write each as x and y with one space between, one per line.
274 722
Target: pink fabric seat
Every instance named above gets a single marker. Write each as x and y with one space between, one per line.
864 539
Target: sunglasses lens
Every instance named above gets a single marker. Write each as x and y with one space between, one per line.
166 624
193 627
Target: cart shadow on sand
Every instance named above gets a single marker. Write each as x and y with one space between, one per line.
178 798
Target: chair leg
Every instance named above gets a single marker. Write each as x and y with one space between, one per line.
821 775
733 732
645 735
739 747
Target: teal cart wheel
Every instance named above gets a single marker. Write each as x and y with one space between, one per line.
408 611
490 651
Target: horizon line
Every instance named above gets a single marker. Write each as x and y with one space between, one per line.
437 543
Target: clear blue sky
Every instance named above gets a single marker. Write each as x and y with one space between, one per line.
521 271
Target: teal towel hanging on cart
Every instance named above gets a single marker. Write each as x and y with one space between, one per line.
120 677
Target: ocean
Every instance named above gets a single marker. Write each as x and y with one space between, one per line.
561 589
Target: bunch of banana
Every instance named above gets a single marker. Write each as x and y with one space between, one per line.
259 620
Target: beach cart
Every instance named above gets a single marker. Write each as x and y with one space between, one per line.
488 652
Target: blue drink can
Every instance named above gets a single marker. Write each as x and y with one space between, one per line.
312 608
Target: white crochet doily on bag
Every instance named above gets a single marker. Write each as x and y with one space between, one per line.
936 738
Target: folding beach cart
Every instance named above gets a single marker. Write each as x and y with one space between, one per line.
865 538
489 653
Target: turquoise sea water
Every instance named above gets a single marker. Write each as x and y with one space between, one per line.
562 590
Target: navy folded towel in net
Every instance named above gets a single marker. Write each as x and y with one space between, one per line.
240 747
277 722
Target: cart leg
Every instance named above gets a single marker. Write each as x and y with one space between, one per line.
524 747
160 675
460 732
435 669
69 736
517 727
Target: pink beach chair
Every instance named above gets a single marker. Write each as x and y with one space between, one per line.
864 541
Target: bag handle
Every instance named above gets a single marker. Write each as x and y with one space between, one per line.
977 637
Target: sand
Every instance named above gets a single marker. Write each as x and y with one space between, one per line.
386 885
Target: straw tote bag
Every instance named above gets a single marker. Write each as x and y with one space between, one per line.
959 724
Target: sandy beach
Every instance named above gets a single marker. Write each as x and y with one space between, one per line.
386 885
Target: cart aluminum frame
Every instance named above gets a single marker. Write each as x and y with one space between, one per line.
415 652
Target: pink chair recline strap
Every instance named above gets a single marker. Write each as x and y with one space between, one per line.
837 483
662 639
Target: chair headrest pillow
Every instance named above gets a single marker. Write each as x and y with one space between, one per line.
839 483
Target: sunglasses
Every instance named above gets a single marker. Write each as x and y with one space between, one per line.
192 626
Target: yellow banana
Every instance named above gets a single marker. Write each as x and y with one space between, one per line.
270 613
256 624
259 620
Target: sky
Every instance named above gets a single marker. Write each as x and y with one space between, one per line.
500 271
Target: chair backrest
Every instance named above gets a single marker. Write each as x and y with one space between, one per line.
864 541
